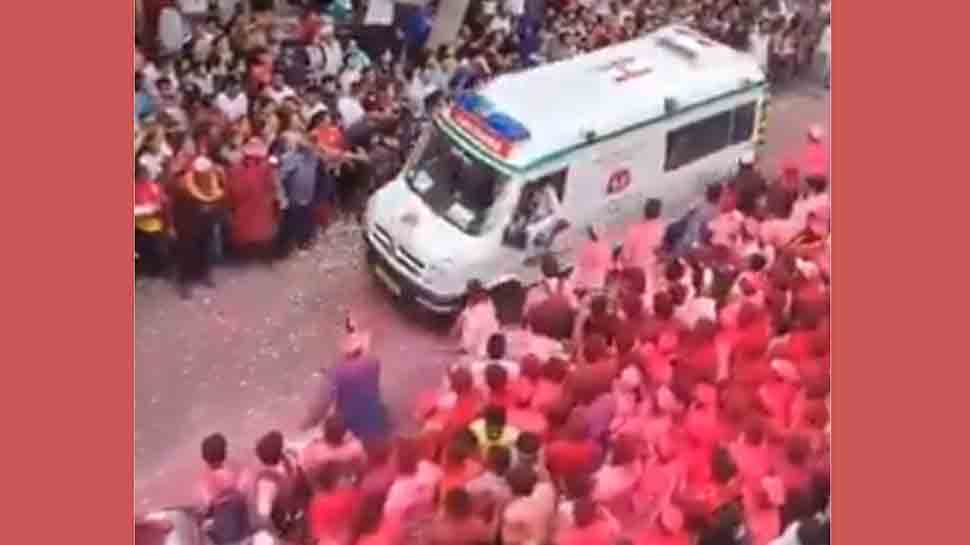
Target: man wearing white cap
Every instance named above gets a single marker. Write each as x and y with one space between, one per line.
354 388
749 185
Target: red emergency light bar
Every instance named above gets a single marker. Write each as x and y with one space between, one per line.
475 126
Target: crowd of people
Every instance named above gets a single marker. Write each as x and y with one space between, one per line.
675 391
259 129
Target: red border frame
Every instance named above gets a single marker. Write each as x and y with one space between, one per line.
70 309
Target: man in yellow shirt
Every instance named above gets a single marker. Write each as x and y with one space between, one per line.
150 236
491 429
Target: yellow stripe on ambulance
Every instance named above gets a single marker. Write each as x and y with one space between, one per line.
761 131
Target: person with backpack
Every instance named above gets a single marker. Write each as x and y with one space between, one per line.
280 492
222 503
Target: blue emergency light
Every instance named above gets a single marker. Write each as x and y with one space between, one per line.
507 127
473 103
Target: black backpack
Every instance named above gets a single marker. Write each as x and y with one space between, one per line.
230 519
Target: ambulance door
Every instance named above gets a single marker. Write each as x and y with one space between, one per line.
618 184
541 224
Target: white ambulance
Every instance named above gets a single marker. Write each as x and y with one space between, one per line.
523 166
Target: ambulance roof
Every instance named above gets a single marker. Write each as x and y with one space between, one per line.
566 104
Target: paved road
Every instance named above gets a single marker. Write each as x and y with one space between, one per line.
241 359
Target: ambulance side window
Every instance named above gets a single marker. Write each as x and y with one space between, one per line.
532 205
698 140
558 181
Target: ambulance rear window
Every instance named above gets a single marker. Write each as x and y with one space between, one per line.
743 123
708 136
698 140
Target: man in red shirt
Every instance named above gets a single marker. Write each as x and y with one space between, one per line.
575 453
254 199
332 506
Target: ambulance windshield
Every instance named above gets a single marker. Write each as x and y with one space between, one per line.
456 185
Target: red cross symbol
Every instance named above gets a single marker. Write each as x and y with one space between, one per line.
622 65
619 181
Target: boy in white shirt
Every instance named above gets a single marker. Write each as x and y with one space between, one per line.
232 102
